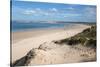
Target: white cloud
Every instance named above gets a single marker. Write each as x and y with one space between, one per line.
53 9
33 11
38 9
70 8
47 14
29 12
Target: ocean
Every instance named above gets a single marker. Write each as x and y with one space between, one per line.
21 26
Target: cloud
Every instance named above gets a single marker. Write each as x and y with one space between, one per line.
39 11
29 12
71 8
33 11
50 12
53 9
45 14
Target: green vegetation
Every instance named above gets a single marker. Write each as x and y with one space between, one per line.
87 38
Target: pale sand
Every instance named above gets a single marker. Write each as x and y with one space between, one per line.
23 42
51 53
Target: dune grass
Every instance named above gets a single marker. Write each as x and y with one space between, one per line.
87 38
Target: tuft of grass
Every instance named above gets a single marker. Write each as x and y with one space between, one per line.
87 38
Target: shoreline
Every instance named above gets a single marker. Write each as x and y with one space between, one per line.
18 35
30 39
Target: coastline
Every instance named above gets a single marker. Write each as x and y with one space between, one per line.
18 35
23 42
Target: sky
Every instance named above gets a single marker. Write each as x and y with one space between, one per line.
39 11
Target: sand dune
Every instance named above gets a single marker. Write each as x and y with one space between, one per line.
50 53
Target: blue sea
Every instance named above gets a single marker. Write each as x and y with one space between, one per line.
21 26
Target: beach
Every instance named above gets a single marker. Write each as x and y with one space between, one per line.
24 41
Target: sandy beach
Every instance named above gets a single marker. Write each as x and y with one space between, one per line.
23 42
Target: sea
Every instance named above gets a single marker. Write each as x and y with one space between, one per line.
16 26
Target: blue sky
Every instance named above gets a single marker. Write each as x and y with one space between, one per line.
39 11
